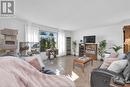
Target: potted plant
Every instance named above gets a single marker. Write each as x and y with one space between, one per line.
116 48
102 48
74 45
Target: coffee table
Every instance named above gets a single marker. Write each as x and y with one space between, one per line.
82 62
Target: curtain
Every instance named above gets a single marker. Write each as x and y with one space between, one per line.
61 43
32 33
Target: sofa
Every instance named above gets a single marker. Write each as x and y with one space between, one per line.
102 77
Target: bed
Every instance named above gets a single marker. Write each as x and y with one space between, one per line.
15 72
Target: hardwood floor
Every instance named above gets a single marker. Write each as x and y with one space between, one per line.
64 66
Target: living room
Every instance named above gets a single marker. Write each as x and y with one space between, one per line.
55 31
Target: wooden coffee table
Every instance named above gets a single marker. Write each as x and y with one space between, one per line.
82 62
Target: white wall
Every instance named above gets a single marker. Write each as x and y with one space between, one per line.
112 33
68 33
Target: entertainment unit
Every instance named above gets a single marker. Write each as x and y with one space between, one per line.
88 49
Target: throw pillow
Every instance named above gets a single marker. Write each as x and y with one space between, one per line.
107 62
38 56
33 61
113 55
118 66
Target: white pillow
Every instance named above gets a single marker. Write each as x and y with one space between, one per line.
118 66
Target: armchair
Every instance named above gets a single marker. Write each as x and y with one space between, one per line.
51 52
102 77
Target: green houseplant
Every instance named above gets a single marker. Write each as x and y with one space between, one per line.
74 45
116 48
102 48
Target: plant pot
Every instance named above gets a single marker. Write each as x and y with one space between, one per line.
101 60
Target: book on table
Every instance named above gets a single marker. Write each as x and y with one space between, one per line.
83 58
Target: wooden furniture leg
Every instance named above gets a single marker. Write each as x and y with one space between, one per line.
82 66
91 62
73 64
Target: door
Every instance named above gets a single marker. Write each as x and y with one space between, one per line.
68 45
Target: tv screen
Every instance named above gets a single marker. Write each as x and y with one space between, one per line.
89 39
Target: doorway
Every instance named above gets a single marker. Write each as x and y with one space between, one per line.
68 45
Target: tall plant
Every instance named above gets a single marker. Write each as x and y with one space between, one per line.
74 45
102 48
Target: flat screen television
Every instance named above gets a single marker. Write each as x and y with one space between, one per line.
89 39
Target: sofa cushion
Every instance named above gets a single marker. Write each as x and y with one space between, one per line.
118 66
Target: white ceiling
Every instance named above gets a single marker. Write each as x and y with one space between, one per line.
73 14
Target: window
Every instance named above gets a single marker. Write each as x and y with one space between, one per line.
48 40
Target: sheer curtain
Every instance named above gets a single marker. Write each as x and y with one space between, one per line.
61 43
32 33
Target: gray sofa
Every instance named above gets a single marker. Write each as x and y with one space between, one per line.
102 77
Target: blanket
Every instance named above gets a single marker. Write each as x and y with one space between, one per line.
15 72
